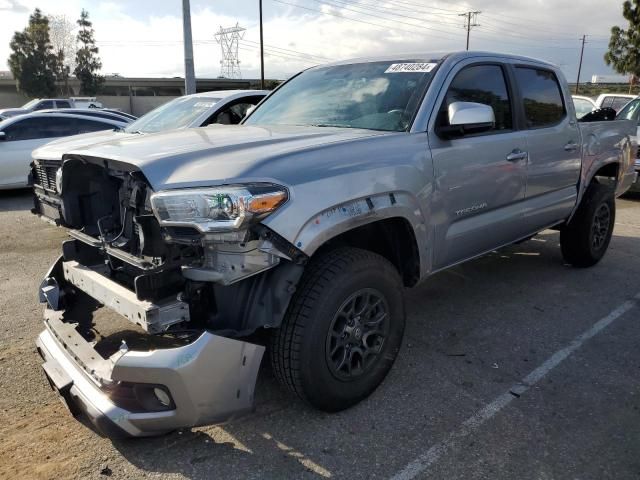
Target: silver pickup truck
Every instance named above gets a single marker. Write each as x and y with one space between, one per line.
192 251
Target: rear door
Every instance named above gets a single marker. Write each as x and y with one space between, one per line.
553 145
480 178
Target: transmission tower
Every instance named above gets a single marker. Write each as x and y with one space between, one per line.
229 39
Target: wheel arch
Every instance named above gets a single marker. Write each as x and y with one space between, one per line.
390 224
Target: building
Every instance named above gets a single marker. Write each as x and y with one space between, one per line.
596 79
133 95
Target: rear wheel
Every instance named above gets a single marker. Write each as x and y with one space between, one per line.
342 331
585 240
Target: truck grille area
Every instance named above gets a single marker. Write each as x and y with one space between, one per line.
45 176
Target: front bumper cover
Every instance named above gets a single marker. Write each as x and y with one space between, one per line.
211 380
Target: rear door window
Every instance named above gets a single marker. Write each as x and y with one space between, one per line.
26 129
87 125
63 104
41 127
542 97
44 105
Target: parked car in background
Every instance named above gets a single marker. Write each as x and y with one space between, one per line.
583 105
349 183
631 111
201 109
21 134
93 112
85 102
50 104
613 100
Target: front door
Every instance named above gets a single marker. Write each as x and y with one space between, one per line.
480 178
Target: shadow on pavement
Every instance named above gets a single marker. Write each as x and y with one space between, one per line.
15 200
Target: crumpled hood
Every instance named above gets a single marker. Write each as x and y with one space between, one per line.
218 154
55 149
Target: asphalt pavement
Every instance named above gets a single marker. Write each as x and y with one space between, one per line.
514 365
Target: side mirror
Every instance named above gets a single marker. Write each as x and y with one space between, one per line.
468 117
3 136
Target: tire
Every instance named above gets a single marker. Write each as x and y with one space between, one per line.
308 348
585 240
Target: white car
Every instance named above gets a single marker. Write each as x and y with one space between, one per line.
583 105
190 111
613 100
21 134
51 104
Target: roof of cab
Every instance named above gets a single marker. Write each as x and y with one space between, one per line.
438 56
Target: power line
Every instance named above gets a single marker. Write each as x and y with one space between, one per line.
290 50
351 19
325 2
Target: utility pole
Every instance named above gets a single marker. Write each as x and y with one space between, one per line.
261 51
584 38
189 74
472 21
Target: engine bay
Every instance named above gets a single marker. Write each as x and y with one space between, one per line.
229 283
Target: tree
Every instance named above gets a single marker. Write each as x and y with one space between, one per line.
32 60
88 63
63 41
624 45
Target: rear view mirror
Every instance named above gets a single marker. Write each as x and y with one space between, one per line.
468 117
3 136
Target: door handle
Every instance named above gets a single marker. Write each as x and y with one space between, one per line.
571 147
517 154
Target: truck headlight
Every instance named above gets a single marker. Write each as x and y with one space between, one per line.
218 208
59 181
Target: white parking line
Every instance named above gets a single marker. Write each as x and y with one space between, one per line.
428 458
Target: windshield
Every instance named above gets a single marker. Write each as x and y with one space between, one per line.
30 103
376 96
177 113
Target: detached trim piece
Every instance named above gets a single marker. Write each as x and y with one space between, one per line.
152 317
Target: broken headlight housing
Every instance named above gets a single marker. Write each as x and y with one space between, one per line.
217 209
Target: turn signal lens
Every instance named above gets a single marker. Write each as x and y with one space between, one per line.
266 202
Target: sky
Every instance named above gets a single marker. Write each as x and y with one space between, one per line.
144 37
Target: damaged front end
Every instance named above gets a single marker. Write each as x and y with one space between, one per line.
148 309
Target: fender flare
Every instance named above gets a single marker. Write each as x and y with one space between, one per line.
345 216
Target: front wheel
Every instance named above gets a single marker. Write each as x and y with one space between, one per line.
585 239
342 331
